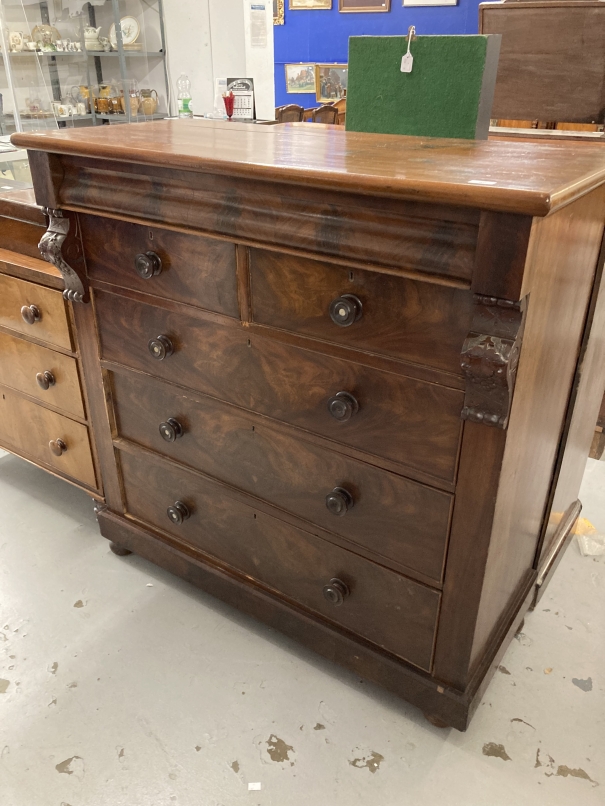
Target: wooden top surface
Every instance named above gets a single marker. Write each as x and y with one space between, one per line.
527 178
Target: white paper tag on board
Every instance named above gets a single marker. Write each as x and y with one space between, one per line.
407 62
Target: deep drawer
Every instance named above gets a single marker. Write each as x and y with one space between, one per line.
45 314
381 606
193 269
394 518
22 362
413 423
397 317
29 429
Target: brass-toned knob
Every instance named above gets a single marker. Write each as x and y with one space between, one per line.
171 430
343 406
148 265
45 380
31 314
336 592
339 501
57 447
160 348
178 513
345 310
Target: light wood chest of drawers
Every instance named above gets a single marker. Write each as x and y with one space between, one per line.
340 390
43 406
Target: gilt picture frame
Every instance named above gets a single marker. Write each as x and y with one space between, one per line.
331 82
279 12
305 5
300 78
359 6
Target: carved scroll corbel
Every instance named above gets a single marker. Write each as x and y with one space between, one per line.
490 357
61 243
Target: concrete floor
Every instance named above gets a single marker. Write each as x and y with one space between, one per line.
120 685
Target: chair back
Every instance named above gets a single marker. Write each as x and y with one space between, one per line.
292 113
325 114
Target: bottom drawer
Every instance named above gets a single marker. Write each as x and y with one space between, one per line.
44 436
381 606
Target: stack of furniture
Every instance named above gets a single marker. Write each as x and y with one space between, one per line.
342 413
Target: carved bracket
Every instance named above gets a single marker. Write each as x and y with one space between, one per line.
61 243
490 357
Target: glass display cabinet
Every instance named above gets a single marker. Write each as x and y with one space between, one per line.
74 63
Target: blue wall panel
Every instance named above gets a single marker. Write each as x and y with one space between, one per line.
323 36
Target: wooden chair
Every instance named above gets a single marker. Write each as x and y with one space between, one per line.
325 114
292 113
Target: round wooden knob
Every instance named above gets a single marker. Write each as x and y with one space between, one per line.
343 406
57 447
336 592
45 380
339 501
345 310
171 430
160 348
148 265
178 513
31 314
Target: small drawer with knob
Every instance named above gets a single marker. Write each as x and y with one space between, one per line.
46 437
397 521
386 608
44 374
412 423
34 311
186 268
410 320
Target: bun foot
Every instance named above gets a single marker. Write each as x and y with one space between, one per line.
119 550
434 720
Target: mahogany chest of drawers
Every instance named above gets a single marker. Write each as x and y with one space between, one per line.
340 375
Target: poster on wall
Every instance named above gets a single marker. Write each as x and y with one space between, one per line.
258 25
331 81
298 5
278 12
364 5
430 2
300 78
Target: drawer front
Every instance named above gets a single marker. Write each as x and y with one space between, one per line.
397 317
392 517
382 606
411 422
193 269
47 318
29 429
49 376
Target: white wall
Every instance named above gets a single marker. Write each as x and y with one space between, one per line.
210 39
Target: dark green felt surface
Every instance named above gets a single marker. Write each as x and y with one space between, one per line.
439 98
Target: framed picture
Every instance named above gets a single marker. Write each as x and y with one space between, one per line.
278 12
300 78
299 5
331 81
430 2
364 5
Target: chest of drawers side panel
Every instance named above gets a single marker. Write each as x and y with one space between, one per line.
495 548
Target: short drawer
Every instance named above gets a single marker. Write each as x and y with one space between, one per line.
44 436
34 311
49 376
190 268
413 423
385 608
395 519
405 319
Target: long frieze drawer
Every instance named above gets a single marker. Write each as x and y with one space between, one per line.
394 316
44 436
414 423
188 268
34 311
385 608
396 519
39 372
